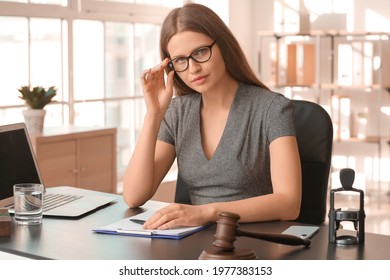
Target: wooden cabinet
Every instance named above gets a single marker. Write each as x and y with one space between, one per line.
79 157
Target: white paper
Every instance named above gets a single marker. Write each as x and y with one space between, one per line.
127 227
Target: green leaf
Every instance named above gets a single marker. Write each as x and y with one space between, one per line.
37 97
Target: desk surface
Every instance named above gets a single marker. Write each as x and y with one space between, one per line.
73 239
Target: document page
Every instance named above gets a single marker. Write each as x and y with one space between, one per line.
128 227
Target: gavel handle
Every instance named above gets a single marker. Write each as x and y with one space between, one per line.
277 238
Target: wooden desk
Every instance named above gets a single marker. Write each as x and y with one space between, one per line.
74 239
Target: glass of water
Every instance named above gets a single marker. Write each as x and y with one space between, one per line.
28 203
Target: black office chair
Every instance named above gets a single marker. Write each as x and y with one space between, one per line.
314 131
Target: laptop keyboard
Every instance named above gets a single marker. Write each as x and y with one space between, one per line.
53 200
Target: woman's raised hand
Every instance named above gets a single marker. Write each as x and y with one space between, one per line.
157 92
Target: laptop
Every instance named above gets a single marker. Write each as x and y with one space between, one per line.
18 165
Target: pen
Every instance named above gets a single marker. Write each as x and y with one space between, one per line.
137 221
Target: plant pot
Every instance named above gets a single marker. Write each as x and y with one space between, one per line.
34 120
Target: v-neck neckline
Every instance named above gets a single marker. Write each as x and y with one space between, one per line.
225 130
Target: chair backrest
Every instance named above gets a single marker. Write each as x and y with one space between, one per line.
314 131
181 194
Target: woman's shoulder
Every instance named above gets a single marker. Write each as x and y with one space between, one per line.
182 100
261 95
186 98
183 103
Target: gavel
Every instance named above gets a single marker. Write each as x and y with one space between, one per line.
227 230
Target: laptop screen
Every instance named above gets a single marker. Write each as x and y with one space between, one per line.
16 161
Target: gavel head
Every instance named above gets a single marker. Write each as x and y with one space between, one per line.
226 231
223 249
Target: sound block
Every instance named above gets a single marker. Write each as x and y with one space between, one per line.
215 253
5 223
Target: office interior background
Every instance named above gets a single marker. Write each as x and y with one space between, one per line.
332 52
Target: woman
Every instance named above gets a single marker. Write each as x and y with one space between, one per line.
233 138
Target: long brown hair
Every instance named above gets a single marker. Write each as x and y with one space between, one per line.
199 18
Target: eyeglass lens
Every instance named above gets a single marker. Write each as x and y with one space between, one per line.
200 55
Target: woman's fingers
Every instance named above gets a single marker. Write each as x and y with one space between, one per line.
169 84
163 217
158 92
144 76
174 215
156 71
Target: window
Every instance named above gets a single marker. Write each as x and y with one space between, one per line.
94 54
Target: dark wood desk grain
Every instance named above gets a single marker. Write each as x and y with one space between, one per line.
73 239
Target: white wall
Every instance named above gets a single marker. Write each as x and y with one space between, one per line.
372 15
248 17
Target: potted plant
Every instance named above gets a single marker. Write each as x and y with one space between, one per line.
36 98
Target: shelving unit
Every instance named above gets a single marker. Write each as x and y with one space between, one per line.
348 74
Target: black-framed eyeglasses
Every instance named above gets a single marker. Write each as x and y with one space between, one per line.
200 55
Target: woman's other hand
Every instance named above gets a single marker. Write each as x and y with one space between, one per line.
179 215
